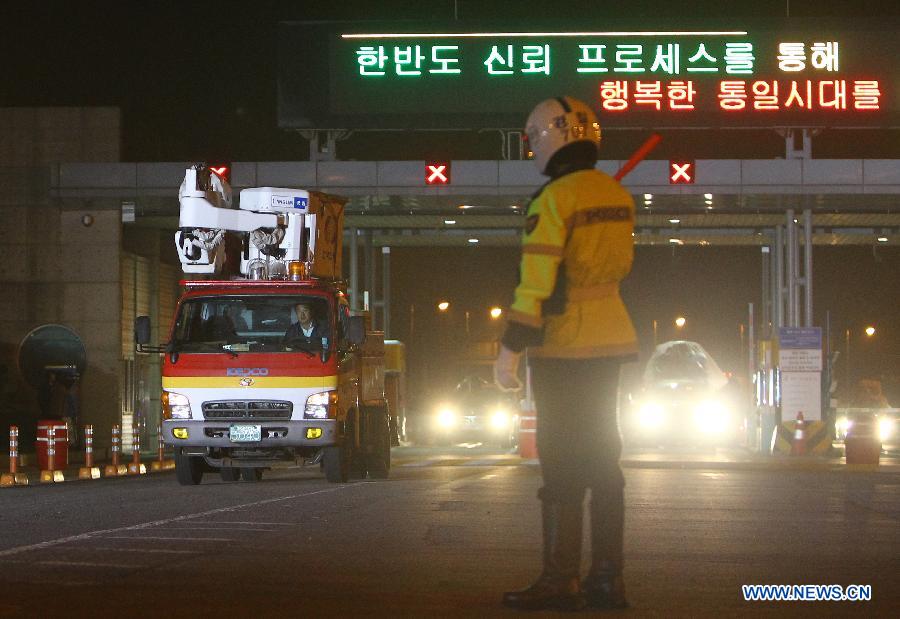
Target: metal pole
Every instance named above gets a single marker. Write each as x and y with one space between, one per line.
750 400
791 270
354 269
369 275
764 326
778 283
386 289
808 266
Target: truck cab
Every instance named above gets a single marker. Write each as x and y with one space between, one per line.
272 368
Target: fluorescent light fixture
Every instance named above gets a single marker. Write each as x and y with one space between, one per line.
643 33
676 241
882 239
674 221
473 241
465 206
450 222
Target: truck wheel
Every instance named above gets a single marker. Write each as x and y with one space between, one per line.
337 462
230 473
188 469
378 459
249 473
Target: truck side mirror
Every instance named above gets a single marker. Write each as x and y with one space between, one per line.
142 330
356 330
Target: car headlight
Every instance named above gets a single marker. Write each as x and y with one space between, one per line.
320 405
885 428
175 406
842 426
711 416
651 415
500 419
446 416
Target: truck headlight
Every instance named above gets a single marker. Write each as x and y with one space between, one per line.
320 405
446 417
711 416
500 419
650 415
885 428
842 426
175 406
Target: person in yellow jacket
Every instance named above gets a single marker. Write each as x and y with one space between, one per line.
567 311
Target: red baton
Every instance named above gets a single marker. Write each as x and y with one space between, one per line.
638 156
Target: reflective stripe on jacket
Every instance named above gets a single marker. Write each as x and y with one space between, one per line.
584 219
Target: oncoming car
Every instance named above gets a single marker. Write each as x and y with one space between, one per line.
476 411
685 400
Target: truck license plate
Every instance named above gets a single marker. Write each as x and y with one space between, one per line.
244 434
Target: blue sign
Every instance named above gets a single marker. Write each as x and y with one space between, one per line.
300 202
800 337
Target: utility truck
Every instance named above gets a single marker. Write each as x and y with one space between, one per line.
270 367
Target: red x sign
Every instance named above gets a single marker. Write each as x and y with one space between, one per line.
681 172
222 171
437 173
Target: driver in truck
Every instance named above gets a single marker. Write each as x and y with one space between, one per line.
307 328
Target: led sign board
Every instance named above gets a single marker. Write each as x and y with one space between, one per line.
437 173
358 76
681 172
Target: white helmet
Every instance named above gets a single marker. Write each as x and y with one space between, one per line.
558 122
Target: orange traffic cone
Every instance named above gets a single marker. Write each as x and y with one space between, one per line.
798 447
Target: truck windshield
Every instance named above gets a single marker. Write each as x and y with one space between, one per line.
253 323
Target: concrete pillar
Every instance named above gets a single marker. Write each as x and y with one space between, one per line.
808 267
386 289
354 269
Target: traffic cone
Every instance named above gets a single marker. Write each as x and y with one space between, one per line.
798 447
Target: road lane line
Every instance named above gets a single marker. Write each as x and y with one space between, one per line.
163 537
119 566
221 529
281 524
155 523
166 551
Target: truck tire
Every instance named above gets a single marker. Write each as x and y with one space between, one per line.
336 460
230 473
249 473
378 452
188 469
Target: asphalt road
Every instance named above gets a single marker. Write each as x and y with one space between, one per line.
444 536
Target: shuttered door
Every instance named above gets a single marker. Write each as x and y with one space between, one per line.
136 292
169 277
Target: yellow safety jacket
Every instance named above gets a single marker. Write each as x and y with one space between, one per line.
585 220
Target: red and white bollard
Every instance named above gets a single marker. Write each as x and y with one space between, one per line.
89 471
50 474
114 468
798 446
14 477
136 468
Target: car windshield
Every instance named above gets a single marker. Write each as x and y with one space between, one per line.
253 323
479 395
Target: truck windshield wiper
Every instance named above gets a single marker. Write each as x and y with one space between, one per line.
229 348
297 344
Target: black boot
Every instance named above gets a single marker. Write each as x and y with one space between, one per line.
604 586
558 587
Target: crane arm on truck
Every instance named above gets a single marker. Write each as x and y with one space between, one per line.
274 223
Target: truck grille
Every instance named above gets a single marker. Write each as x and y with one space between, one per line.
247 409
